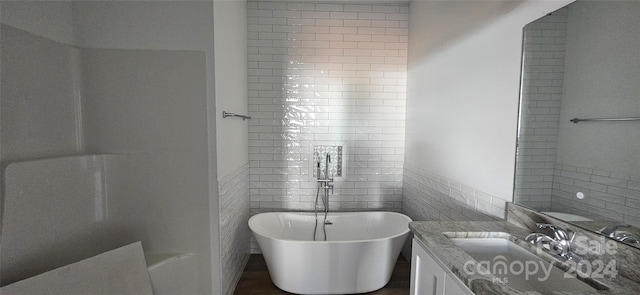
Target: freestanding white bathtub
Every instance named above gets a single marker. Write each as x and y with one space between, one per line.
358 257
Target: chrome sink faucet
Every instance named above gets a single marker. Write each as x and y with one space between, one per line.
611 230
627 237
559 244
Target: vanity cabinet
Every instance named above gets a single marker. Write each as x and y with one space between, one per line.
430 277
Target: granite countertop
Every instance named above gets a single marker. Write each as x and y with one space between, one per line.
435 235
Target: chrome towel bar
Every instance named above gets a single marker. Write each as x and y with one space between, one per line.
227 114
576 120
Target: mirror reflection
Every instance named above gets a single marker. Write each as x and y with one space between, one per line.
582 61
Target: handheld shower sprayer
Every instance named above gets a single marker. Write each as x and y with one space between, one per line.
326 166
324 184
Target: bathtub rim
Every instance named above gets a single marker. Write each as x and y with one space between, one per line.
404 232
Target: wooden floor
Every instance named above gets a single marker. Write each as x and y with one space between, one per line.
255 279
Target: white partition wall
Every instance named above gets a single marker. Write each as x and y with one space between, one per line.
146 100
462 101
230 21
149 108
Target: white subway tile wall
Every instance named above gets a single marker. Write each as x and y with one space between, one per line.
234 230
326 74
607 195
431 197
543 76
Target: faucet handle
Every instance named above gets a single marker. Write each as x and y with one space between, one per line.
560 233
545 225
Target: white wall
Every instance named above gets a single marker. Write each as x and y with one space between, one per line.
40 97
326 75
169 174
41 117
463 87
185 148
149 108
48 203
230 23
49 19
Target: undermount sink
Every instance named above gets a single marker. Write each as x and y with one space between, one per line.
503 258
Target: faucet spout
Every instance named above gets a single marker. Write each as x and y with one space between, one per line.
610 230
559 244
559 233
614 231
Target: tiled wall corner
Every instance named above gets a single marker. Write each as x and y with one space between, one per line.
430 197
234 230
326 74
607 195
543 61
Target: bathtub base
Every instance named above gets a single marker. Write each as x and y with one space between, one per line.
347 269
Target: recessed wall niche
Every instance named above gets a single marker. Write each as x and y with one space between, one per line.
320 153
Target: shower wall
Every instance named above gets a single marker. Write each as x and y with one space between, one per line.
144 101
43 120
326 75
148 107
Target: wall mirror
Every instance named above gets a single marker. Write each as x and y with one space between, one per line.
578 155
